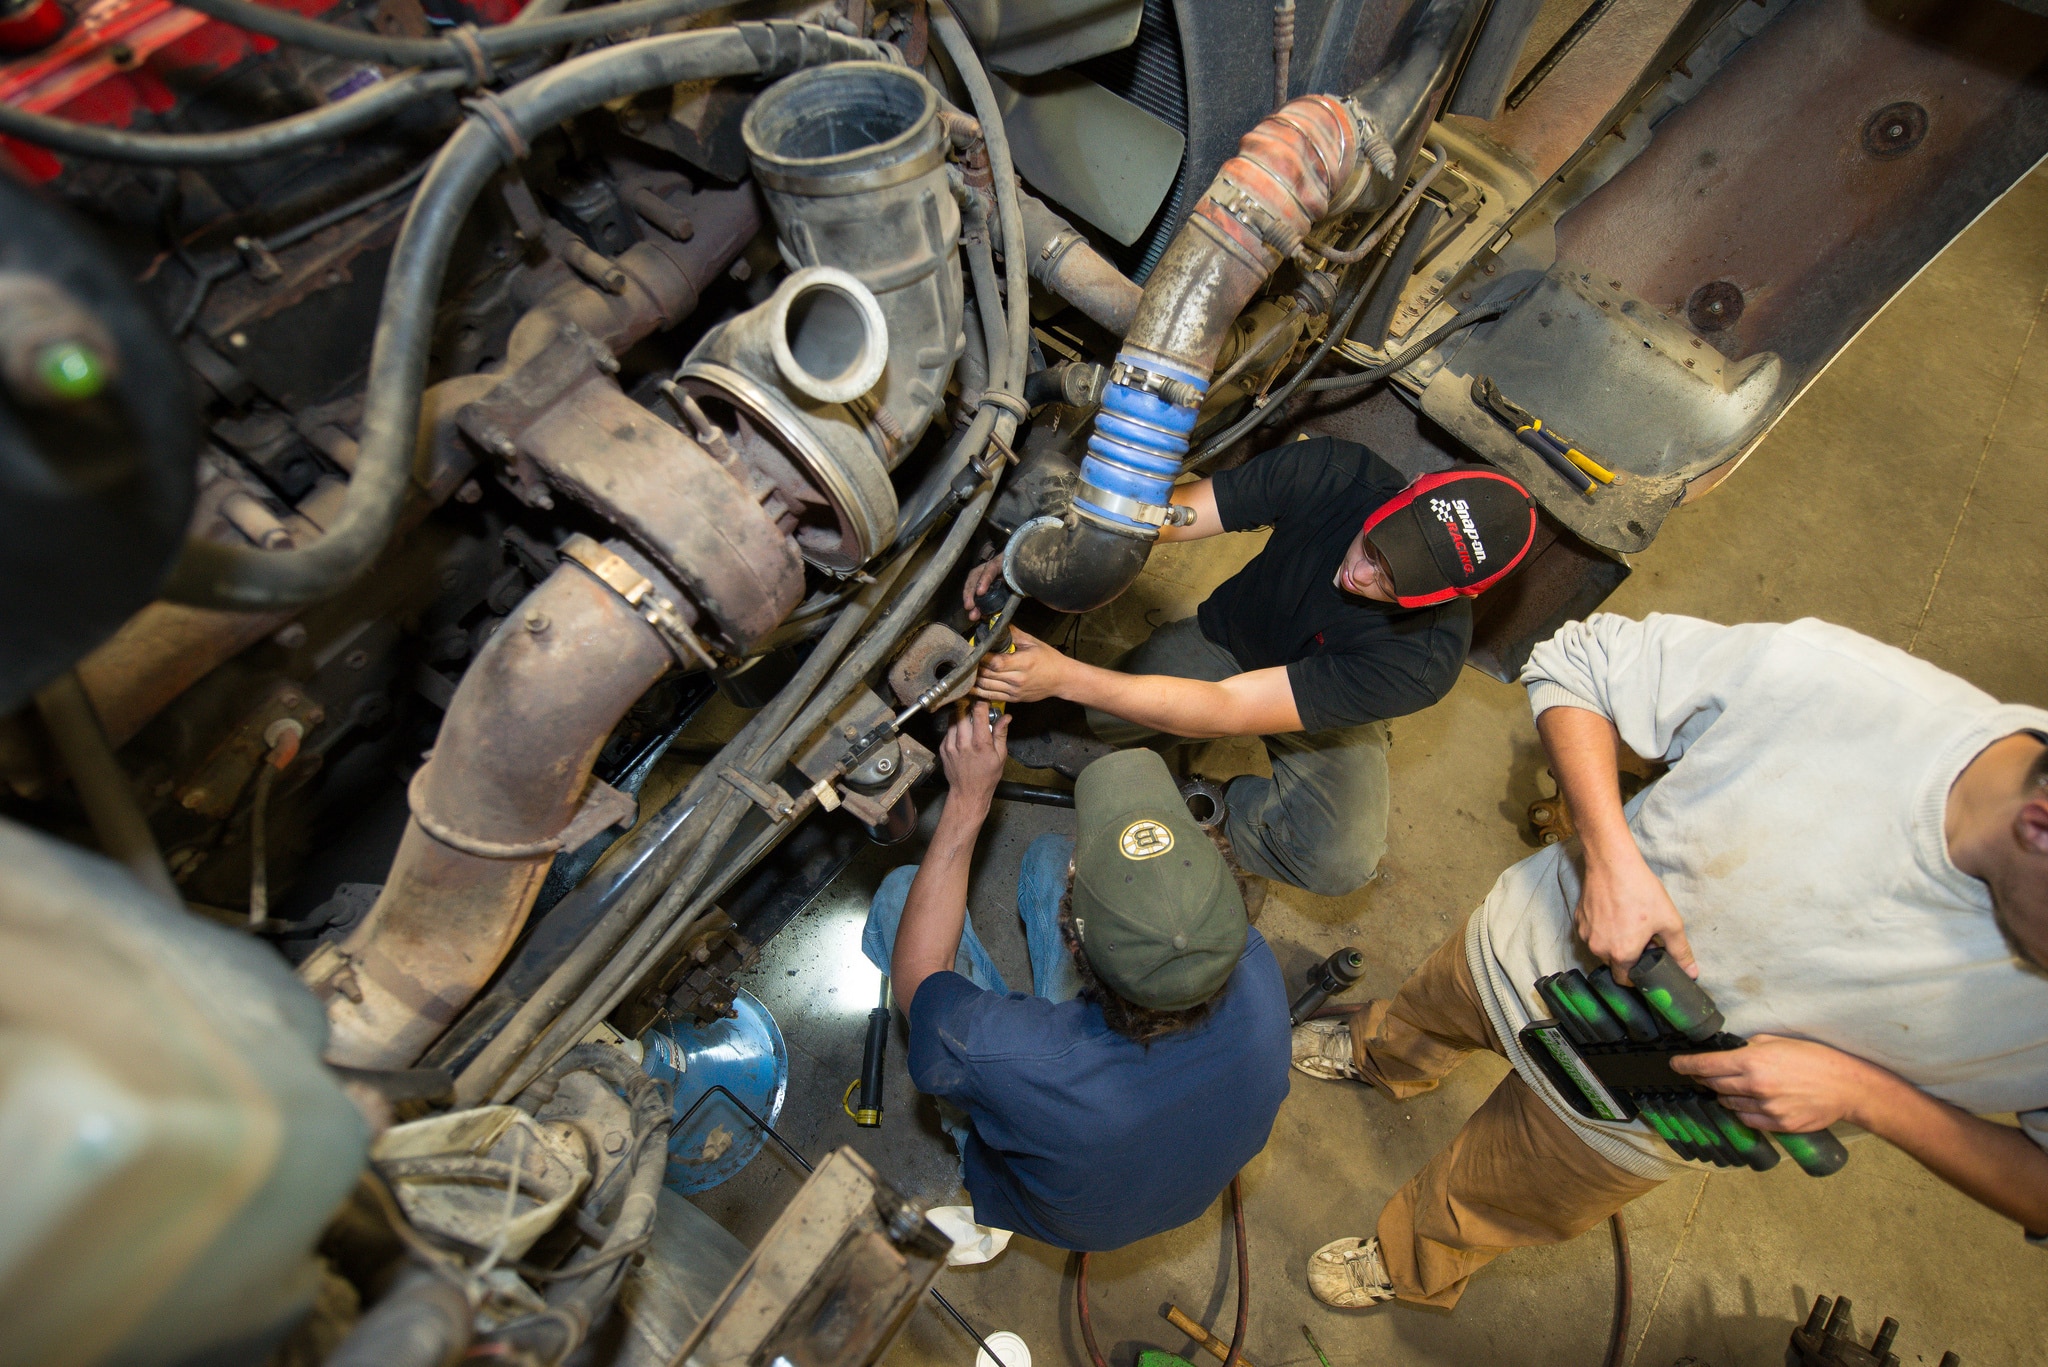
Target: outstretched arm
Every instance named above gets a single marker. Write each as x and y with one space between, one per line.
1259 703
1796 1086
1622 904
928 936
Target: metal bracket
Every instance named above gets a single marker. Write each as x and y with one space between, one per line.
768 797
618 574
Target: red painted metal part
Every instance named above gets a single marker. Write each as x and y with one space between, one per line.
123 59
33 25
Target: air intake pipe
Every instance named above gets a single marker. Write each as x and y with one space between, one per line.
842 372
1313 157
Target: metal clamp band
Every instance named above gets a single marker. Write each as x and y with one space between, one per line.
1174 391
1151 514
478 62
769 797
603 806
487 109
1006 401
618 574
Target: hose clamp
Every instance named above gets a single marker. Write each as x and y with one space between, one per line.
1006 401
486 108
1151 514
1245 207
619 575
1174 391
477 62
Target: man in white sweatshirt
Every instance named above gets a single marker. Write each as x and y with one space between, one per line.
1850 852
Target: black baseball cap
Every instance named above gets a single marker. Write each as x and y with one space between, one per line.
1156 909
1453 534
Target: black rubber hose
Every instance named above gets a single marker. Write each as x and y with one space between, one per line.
1624 1294
503 40
423 1321
1244 1288
212 574
1408 356
364 109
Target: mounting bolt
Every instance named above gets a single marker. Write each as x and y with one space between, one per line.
238 339
469 491
357 659
192 799
537 622
291 636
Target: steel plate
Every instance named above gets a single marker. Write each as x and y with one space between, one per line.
744 1054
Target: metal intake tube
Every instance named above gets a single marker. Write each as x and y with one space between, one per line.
851 159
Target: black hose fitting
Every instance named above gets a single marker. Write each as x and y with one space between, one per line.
1072 564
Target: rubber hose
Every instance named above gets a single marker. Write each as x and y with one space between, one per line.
1244 1287
211 574
364 109
499 41
1624 1293
1009 209
1407 356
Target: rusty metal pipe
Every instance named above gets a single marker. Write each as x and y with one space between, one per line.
508 773
1066 263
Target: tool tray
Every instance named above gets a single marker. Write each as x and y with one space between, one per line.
1627 1069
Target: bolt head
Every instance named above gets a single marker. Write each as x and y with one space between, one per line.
357 659
291 635
537 622
469 491
885 765
614 1143
238 339
192 799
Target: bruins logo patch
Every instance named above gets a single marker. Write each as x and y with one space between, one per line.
1145 840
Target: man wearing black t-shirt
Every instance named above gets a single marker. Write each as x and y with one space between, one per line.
1356 611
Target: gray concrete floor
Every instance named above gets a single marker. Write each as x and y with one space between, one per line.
1902 496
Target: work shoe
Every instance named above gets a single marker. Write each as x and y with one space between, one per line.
1322 1048
1350 1274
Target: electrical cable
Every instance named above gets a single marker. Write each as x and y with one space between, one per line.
213 574
1409 355
494 43
364 109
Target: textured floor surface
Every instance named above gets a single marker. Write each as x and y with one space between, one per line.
1903 496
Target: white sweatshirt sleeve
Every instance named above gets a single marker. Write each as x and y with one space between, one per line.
1661 681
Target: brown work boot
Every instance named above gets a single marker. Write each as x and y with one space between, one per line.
1350 1274
1322 1049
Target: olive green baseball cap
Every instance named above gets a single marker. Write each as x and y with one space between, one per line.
1156 909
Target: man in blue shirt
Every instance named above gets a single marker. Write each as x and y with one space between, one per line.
1120 1100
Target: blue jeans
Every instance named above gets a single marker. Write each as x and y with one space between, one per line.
1041 882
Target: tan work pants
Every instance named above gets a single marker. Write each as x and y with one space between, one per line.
1515 1175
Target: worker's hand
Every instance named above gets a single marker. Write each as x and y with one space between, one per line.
1034 670
1793 1086
973 755
979 582
1622 907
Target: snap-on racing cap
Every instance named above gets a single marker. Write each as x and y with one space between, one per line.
1156 909
1452 534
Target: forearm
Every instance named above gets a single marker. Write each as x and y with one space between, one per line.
1584 757
1994 1165
1194 708
928 936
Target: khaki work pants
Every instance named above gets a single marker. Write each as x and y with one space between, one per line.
1515 1175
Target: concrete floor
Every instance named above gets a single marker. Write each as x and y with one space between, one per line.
1901 497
